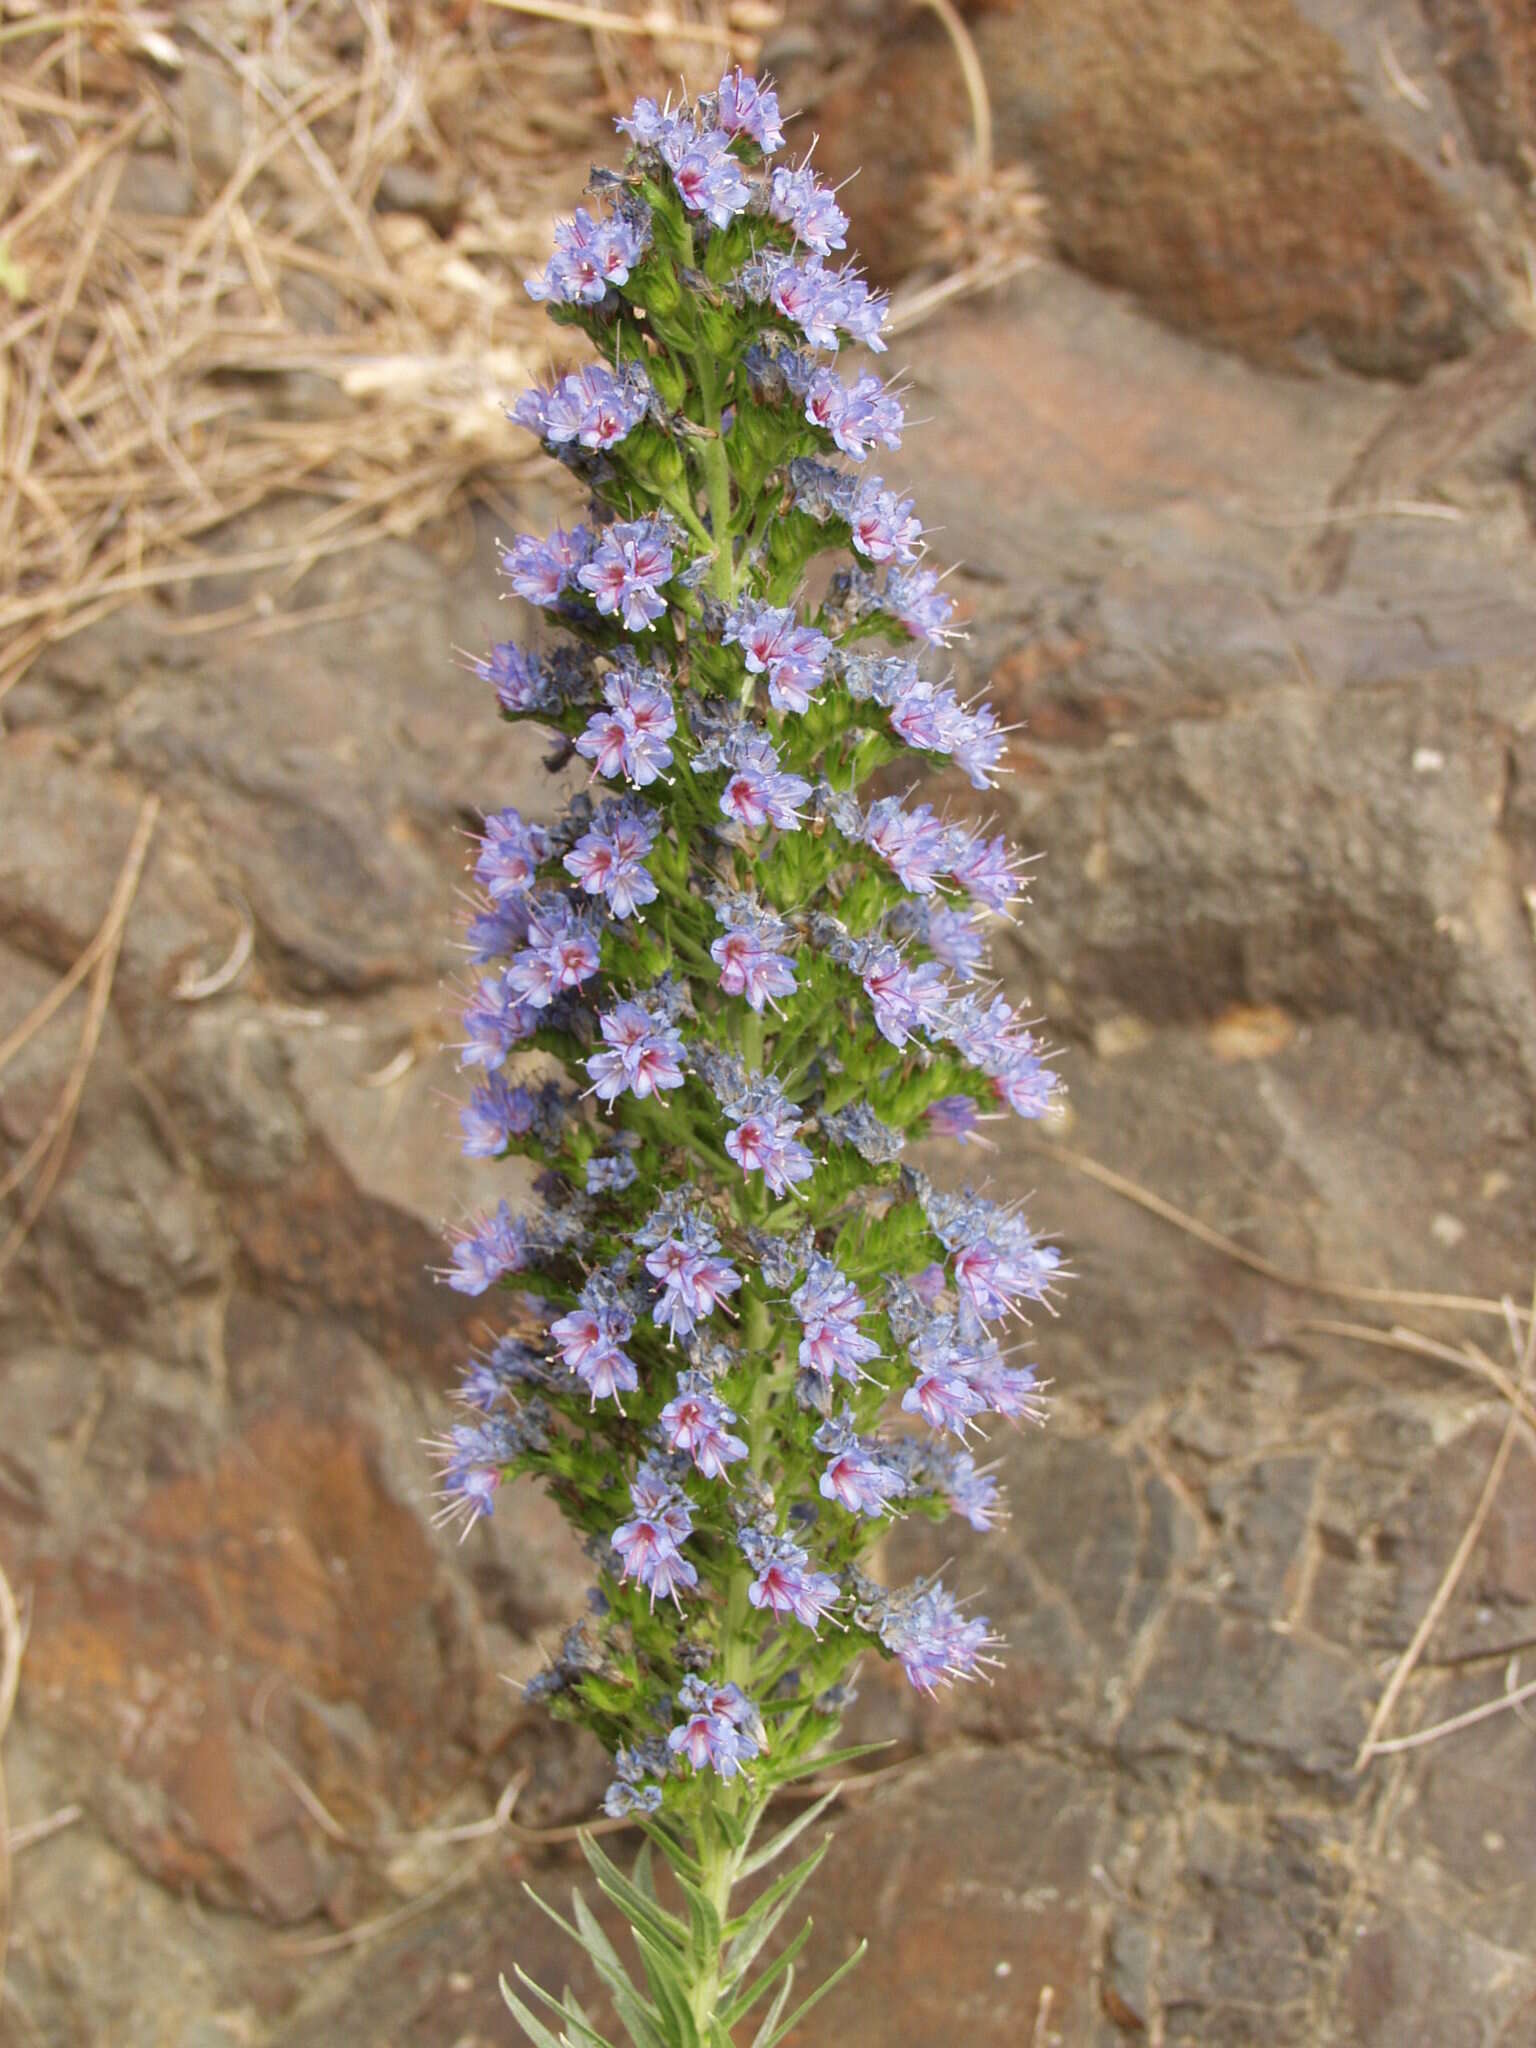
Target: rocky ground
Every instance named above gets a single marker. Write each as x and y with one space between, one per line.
1272 637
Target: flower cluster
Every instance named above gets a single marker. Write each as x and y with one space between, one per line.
747 1332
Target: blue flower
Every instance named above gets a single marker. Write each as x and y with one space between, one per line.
590 255
744 106
626 570
804 204
592 406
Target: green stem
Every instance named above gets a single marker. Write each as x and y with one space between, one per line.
717 482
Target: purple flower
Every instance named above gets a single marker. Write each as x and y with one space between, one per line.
492 934
884 527
858 416
648 125
642 1055
708 178
972 1493
857 1476
609 861
829 1307
914 598
748 967
589 256
979 746
722 1731
497 1244
916 843
495 1021
511 850
764 1142
630 738
626 570
988 870
649 1543
542 570
744 107
589 1342
471 1474
906 999
934 1643
944 1398
518 677
955 939
786 1585
793 657
695 1420
493 1116
591 406
694 1280
610 1173
805 205
759 792
955 1116
1012 1391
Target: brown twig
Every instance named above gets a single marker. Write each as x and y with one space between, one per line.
975 84
1453 1571
1469 1360
1423 1736
61 1122
653 26
1390 1297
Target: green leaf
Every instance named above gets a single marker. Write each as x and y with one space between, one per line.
639 2017
704 1918
809 1766
664 1974
749 1944
534 2028
770 2040
589 2036
761 1858
783 1888
638 1908
775 2011
739 2007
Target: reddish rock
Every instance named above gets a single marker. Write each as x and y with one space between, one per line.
1220 161
244 1604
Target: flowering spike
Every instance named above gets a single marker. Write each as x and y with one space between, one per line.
750 1333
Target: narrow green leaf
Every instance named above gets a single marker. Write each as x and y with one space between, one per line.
636 1907
815 1999
704 1919
534 2028
775 2011
589 2036
638 2016
809 1766
676 1855
784 1887
743 2004
729 1826
749 1944
664 1974
761 1858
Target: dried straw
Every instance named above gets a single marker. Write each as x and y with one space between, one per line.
275 254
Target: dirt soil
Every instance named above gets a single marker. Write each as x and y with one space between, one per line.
1272 639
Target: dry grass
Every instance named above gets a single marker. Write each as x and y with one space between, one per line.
276 250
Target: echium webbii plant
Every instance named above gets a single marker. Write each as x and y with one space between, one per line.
744 1336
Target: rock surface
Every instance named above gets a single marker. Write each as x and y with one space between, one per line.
1278 759
1195 155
